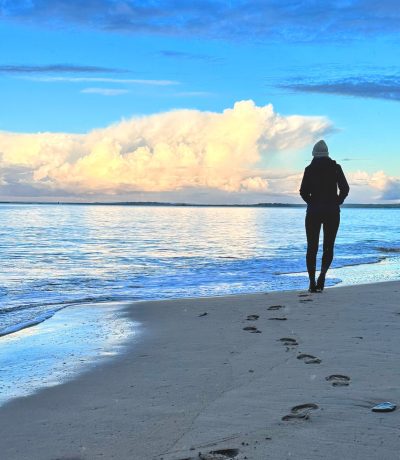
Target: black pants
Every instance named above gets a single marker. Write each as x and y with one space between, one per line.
330 223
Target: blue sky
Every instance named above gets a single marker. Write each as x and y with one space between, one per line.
72 67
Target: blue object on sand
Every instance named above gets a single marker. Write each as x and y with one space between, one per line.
384 407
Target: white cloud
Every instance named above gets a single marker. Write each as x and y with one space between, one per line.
376 187
385 187
167 152
286 185
105 91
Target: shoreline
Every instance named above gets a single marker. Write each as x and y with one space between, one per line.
200 383
70 342
370 268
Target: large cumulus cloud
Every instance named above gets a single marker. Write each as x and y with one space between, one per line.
176 150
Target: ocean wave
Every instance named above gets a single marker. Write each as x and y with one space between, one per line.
344 262
24 316
79 255
25 324
388 249
65 303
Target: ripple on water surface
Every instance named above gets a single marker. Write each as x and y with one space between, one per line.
56 255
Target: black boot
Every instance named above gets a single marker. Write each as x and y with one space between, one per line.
320 282
311 277
313 286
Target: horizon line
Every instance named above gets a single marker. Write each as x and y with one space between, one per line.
182 204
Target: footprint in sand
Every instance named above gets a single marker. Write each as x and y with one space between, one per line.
306 300
252 329
68 458
301 412
281 318
275 307
252 317
303 295
288 342
338 380
221 454
308 359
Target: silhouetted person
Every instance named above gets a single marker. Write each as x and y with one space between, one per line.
319 189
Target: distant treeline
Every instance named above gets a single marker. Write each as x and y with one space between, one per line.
157 203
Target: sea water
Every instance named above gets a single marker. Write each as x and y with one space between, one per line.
54 256
83 261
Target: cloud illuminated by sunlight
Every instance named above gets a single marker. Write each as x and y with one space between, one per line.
176 150
388 187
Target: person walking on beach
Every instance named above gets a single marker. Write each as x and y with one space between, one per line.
319 189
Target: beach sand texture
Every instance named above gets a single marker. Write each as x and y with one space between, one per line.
229 383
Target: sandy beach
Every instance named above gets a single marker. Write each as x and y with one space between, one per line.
199 385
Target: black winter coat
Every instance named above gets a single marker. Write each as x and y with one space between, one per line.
319 187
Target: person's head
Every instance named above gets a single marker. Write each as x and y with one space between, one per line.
320 150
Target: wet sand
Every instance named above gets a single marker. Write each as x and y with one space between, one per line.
285 375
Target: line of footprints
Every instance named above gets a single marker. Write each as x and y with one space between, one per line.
303 411
300 412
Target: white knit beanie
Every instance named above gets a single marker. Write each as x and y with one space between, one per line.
320 150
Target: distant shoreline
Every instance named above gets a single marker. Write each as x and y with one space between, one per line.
195 205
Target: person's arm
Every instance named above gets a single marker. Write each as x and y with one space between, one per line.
343 186
305 187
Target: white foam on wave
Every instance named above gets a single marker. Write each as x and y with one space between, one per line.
25 324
